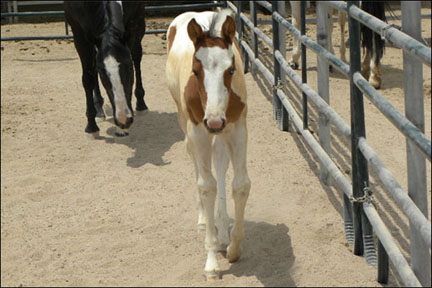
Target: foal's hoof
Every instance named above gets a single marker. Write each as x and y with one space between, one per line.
201 227
233 256
212 275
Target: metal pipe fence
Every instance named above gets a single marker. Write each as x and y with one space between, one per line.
201 6
359 221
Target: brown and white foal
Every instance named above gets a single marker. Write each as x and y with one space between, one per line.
205 77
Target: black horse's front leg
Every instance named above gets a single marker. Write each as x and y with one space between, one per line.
89 83
136 53
98 101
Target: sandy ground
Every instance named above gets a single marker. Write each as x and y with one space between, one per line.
121 211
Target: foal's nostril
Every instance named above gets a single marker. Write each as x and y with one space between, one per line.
214 124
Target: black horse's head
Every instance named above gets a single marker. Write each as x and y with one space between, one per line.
115 67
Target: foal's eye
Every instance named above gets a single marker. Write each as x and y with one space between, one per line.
195 72
231 72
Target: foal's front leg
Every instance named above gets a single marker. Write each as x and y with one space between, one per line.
201 142
237 145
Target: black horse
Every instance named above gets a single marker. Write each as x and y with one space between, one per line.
106 35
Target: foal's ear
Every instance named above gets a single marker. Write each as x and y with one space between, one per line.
194 30
228 28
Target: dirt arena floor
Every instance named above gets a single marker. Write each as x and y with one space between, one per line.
116 211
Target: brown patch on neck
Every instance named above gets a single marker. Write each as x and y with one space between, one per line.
235 107
193 100
171 35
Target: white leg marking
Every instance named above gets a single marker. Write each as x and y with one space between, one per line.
237 145
201 143
221 162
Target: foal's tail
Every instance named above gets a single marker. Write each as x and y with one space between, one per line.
372 41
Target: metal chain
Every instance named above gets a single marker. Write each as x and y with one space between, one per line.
278 85
367 197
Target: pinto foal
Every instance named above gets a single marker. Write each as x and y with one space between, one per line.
205 77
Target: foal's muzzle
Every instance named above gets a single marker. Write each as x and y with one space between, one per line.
214 125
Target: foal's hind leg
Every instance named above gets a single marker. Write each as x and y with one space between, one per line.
134 43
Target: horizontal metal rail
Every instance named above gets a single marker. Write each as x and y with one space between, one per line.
396 118
265 4
393 35
48 13
407 205
148 8
257 30
327 56
22 38
334 171
322 106
395 255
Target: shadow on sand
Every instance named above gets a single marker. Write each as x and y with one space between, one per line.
151 135
267 255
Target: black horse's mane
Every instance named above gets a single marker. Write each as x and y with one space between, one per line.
108 22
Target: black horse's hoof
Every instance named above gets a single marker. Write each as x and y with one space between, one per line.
141 106
91 128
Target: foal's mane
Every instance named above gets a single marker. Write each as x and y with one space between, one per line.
217 22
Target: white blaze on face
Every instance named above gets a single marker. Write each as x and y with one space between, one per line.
215 61
122 109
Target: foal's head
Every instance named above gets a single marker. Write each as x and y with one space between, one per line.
214 66
115 66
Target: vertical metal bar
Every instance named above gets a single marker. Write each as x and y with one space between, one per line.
356 96
416 163
364 241
240 30
254 37
383 264
304 66
15 9
282 38
279 111
66 27
323 85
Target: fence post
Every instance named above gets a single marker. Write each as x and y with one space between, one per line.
240 30
416 163
282 39
254 37
323 85
363 233
304 66
279 111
